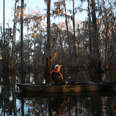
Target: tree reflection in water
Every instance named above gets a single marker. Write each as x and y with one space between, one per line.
56 105
95 105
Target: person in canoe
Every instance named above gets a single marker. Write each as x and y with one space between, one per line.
56 74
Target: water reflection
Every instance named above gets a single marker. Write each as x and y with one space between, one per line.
0 89
95 105
12 104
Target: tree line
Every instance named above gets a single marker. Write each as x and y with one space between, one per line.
88 45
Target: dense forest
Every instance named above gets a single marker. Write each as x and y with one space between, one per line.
34 44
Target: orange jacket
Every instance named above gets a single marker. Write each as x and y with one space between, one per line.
58 71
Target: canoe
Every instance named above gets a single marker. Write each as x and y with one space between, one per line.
65 88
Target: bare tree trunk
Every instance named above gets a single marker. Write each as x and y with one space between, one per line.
95 32
89 27
78 30
14 31
13 58
106 36
95 51
22 7
4 21
67 30
48 65
73 19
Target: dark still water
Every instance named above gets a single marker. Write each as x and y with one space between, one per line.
12 104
